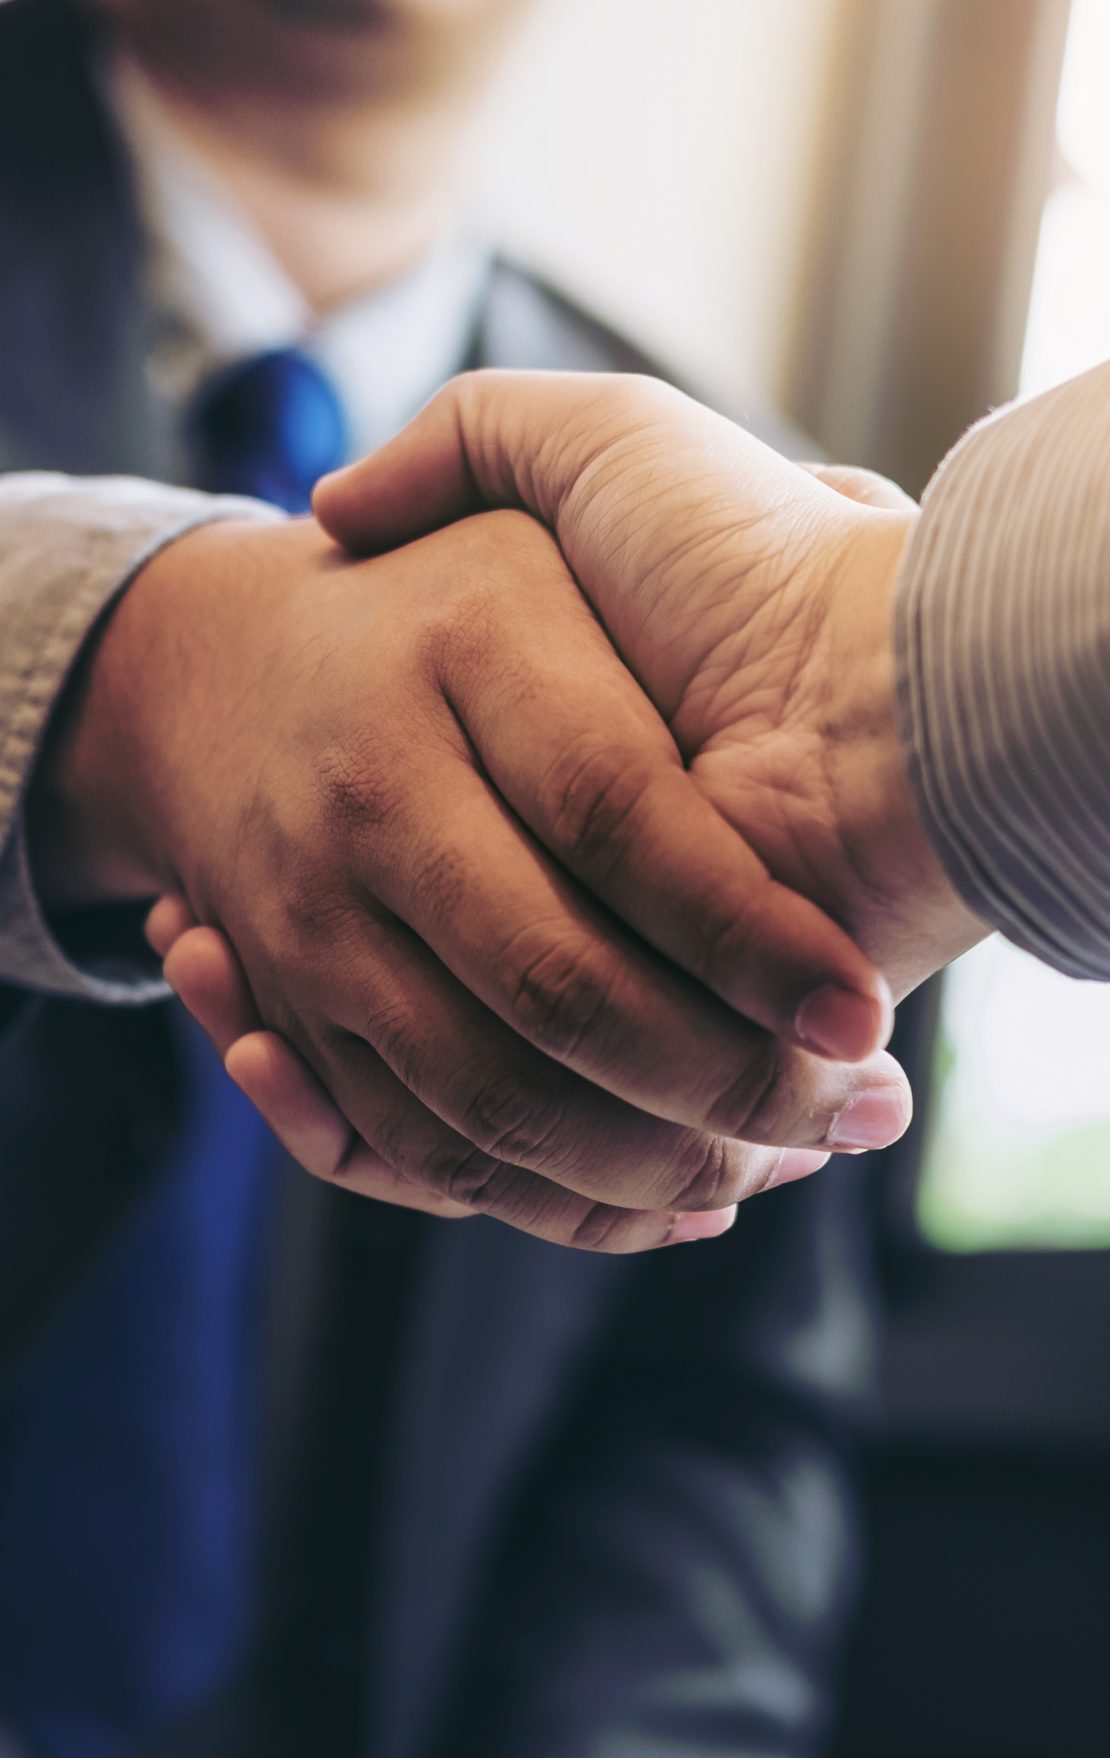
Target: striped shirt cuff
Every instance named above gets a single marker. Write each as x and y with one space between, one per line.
1002 633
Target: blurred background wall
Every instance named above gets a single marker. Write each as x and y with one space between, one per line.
657 157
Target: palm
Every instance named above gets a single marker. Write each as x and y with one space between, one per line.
725 640
745 647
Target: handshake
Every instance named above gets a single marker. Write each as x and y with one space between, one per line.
532 828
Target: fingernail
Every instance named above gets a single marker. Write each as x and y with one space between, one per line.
873 1119
707 1224
797 1163
840 1023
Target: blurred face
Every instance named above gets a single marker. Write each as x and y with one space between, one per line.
372 12
379 49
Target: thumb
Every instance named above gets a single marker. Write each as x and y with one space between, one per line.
490 439
484 440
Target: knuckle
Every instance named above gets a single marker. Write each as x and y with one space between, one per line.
387 1026
360 788
604 1228
512 1121
728 935
379 1113
457 630
706 1178
756 1100
391 1137
466 629
304 1035
643 394
439 884
475 402
557 996
313 929
464 1173
314 924
591 800
469 388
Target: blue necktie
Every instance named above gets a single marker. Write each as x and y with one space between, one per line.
128 1468
269 427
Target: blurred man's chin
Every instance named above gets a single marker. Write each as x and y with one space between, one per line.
372 50
337 12
373 12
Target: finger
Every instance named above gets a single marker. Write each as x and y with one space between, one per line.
205 974
562 974
865 486
204 971
511 1102
314 1131
569 739
170 917
207 978
428 1155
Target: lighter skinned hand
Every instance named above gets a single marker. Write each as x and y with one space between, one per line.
389 784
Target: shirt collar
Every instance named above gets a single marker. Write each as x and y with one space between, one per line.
219 294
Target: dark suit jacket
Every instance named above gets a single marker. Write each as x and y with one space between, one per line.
613 1513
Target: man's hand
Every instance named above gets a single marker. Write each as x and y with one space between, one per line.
751 601
395 786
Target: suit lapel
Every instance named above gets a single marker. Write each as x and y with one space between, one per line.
528 324
498 1322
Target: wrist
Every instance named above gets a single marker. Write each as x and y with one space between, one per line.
911 919
97 809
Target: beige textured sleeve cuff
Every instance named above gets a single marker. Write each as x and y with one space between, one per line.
67 548
1002 633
